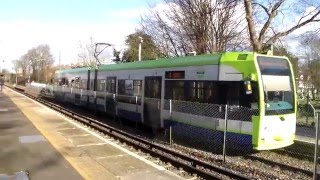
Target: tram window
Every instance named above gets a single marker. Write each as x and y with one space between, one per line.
91 85
83 84
101 85
60 82
137 87
121 87
77 82
64 81
130 87
174 90
153 87
239 97
213 92
210 92
234 93
196 91
111 85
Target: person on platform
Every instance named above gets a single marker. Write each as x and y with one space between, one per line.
1 83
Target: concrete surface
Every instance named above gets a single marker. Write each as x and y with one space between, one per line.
93 156
24 148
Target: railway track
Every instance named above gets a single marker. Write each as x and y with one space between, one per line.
280 165
189 164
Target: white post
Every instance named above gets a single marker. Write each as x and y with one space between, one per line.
170 129
170 136
136 103
315 162
141 40
225 133
170 108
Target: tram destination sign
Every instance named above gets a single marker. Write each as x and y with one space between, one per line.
175 74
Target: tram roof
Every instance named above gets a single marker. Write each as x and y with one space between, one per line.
208 59
165 63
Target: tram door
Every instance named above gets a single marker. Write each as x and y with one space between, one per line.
152 101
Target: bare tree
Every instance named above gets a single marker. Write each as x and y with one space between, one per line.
86 53
204 26
40 59
24 63
274 21
310 45
16 66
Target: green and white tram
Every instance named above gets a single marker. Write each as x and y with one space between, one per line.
261 85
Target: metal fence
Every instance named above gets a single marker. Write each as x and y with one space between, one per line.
307 138
306 114
219 129
225 131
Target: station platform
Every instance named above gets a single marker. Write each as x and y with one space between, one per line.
24 148
51 146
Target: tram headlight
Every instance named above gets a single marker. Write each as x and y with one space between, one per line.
248 87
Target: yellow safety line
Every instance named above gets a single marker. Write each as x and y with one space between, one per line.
67 153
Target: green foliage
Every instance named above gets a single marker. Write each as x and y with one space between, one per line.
314 72
116 54
149 50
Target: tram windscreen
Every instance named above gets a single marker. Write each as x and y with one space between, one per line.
277 85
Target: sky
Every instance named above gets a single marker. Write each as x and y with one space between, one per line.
64 24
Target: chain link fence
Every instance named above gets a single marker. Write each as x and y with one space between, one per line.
226 130
215 128
306 115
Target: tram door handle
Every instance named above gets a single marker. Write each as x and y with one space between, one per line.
159 105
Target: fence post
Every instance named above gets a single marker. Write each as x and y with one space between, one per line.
315 161
136 103
114 106
136 110
170 109
225 133
170 129
170 135
307 117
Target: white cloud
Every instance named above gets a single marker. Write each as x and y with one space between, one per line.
128 14
16 38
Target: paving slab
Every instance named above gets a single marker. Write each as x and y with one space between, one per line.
90 154
23 147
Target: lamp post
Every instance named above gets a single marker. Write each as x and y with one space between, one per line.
141 41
